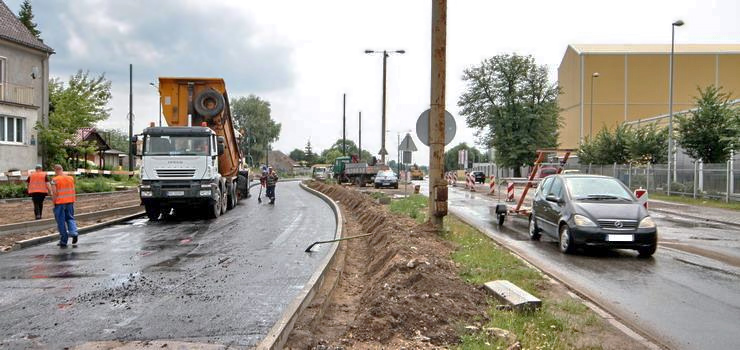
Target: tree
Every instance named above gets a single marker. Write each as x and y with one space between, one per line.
707 132
351 150
116 139
649 144
607 147
298 155
81 102
25 15
513 106
451 156
308 154
252 116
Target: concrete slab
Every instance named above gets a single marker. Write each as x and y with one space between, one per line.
511 294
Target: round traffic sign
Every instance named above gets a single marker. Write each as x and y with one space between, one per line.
422 127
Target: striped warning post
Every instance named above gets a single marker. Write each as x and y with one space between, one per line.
471 182
491 186
510 192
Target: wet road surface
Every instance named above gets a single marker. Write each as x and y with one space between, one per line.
684 300
225 280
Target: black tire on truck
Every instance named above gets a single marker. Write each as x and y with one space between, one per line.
214 206
224 199
206 97
231 201
152 211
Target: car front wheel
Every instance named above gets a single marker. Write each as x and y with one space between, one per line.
566 241
534 231
647 251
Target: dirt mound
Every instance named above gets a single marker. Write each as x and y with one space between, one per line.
399 287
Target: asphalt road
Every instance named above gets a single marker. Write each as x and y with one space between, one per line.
224 281
685 300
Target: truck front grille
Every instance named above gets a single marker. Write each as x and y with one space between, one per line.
164 173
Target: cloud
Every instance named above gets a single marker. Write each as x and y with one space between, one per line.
163 38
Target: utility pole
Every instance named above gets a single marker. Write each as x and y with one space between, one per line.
344 124
398 153
383 152
131 146
359 143
437 185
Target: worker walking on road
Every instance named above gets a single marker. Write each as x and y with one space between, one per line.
63 195
272 180
38 188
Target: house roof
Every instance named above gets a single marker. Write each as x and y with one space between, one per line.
87 134
13 30
655 48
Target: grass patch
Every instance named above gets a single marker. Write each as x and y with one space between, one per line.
414 206
704 202
562 322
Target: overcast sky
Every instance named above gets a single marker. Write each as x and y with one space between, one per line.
303 55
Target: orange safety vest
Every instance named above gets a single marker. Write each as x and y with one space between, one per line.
65 188
37 182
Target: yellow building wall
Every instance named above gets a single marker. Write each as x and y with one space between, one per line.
729 74
692 72
569 136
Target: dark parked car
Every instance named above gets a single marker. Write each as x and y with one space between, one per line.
592 211
480 177
386 178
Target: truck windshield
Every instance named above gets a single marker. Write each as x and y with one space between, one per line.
176 145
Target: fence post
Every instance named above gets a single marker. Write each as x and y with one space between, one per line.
701 176
614 170
696 170
629 176
731 180
727 183
589 168
647 177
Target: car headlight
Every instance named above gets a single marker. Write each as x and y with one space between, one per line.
146 193
583 221
647 222
205 193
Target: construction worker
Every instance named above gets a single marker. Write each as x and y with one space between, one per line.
38 188
271 181
63 195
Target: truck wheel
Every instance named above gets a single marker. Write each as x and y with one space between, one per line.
152 211
231 201
206 97
224 201
214 207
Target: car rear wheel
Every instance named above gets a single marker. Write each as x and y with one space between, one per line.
566 241
648 251
534 231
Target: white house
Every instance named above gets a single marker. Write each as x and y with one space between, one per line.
24 92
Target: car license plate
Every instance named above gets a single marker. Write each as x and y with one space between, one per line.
620 238
386 183
175 193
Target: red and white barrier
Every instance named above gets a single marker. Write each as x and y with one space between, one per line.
642 196
510 192
492 185
470 183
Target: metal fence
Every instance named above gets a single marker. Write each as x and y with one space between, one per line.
696 179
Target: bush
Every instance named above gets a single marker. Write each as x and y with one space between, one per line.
13 190
96 184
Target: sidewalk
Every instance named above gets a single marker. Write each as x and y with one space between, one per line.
725 216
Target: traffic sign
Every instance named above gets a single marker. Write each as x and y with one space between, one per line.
422 127
407 145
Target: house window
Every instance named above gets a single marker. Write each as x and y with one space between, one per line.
12 129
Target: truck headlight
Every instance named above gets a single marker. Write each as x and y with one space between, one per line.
647 222
146 193
205 193
205 186
145 187
583 221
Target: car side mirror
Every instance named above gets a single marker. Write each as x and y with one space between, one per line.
134 143
554 199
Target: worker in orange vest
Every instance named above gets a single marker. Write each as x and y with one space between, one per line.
63 195
38 188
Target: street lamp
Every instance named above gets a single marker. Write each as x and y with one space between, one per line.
385 53
159 103
670 103
591 124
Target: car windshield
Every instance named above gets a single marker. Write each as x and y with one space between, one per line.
176 145
386 173
593 188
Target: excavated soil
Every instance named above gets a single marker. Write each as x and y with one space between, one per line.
399 289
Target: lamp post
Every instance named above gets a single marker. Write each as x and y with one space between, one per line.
670 103
591 123
159 103
383 152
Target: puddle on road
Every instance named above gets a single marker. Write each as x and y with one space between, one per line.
68 255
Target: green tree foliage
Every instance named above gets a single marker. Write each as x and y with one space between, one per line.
308 154
513 106
298 155
252 117
625 144
707 132
336 151
25 15
116 139
451 156
79 103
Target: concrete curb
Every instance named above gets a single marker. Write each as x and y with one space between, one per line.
38 225
693 217
278 334
594 303
84 230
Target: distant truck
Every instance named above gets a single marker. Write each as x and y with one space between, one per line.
321 172
416 173
349 169
195 161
